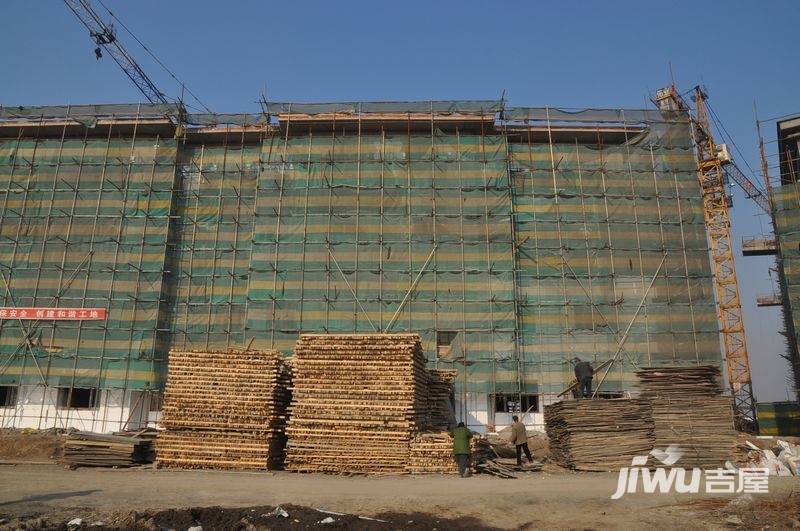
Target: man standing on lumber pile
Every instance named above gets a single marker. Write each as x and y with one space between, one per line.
461 436
584 373
519 438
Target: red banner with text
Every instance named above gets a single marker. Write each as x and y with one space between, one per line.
54 314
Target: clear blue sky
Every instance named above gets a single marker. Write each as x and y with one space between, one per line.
567 53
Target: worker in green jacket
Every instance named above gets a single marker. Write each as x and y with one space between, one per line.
461 436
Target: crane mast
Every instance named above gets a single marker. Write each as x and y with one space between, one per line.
105 37
718 226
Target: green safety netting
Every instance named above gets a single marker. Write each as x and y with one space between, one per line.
440 106
117 110
618 116
786 205
532 253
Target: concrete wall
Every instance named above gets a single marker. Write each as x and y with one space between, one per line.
37 408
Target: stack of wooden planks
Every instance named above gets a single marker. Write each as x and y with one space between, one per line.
432 453
94 449
598 434
357 401
224 410
702 380
689 411
440 413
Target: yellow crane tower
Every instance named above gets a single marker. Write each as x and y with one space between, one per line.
710 159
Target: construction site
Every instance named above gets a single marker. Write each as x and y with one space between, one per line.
316 291
510 246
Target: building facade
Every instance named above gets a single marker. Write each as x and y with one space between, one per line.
512 239
786 213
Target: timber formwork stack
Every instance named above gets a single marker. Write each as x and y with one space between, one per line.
224 410
357 400
432 453
690 412
441 387
599 435
432 450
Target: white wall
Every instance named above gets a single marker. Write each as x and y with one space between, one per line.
475 413
37 408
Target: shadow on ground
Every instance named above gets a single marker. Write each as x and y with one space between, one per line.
51 496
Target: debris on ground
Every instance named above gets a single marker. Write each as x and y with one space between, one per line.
780 457
507 467
781 513
249 518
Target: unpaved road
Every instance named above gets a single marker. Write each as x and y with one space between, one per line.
564 500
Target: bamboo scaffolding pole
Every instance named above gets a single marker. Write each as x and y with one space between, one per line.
410 290
630 324
352 291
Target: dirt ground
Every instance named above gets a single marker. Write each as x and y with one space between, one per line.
48 496
30 445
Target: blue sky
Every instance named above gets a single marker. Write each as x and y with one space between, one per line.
567 53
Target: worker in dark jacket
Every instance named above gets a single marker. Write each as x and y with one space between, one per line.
461 436
584 373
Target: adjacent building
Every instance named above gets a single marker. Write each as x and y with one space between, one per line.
786 207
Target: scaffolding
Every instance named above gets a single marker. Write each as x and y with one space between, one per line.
786 214
84 224
601 198
511 240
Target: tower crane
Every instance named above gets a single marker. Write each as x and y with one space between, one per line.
710 161
106 40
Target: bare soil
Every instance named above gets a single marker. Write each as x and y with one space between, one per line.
249 519
745 512
30 445
49 496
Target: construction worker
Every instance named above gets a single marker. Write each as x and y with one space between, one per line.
461 436
584 373
519 438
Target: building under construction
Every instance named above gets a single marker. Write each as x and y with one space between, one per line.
786 219
512 239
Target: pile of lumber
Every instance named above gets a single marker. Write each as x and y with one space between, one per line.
440 413
224 410
689 411
149 434
432 453
703 380
357 401
598 434
507 467
93 449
